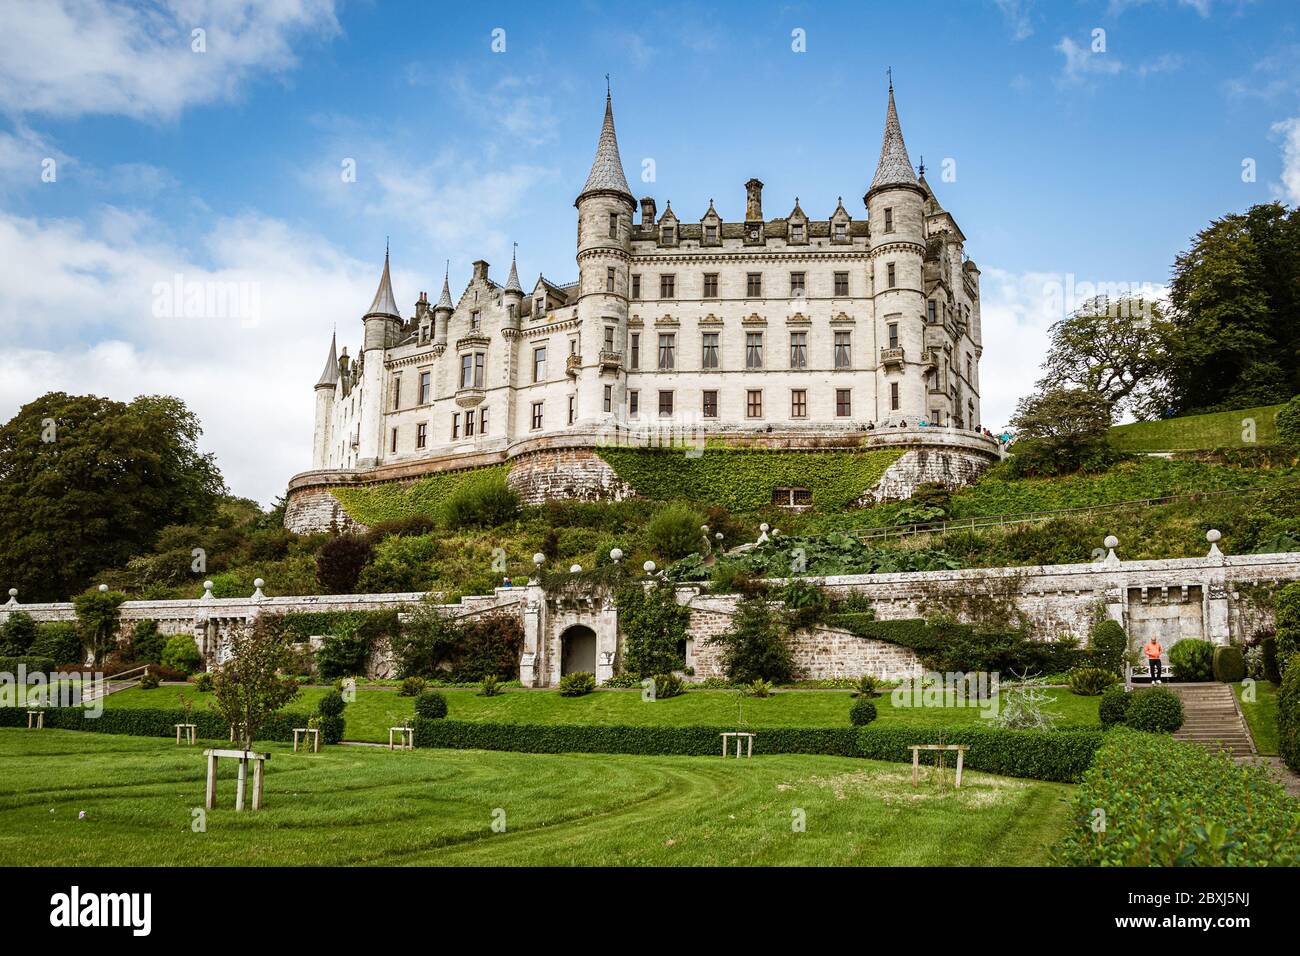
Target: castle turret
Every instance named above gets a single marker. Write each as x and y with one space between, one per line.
513 294
383 326
325 390
383 321
443 310
895 215
605 206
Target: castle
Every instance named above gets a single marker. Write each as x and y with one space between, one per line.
798 328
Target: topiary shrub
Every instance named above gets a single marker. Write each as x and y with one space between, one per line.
330 723
1090 681
668 685
1114 705
862 712
1192 660
675 532
1288 716
431 705
1229 664
1156 710
1107 645
17 635
578 684
181 654
147 643
149 681
410 686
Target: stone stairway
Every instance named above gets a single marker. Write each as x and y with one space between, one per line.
1212 720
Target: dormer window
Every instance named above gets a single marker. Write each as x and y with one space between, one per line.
841 231
667 235
475 319
796 232
710 233
540 307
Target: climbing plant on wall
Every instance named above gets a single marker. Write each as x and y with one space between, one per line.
389 502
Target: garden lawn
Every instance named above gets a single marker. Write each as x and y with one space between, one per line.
1261 715
374 711
1200 432
362 805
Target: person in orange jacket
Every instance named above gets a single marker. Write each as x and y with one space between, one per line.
1153 650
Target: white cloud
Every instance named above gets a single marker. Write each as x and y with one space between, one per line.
80 298
73 57
1202 7
1289 130
1016 13
1081 62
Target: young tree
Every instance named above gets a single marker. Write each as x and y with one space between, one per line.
340 561
754 646
97 620
250 687
1061 430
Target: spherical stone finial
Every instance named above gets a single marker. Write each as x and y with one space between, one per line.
648 567
763 527
1213 536
575 569
718 535
539 559
207 585
1111 541
258 582
103 588
616 555
13 592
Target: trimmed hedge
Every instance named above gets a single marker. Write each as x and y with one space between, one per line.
151 722
1229 664
1157 710
1288 715
1168 803
1192 660
34 665
1056 755
680 741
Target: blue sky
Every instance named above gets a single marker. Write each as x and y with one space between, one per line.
226 164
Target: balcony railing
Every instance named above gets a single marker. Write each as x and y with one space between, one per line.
572 364
611 360
892 356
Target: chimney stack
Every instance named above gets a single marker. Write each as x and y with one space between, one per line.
648 211
480 270
753 201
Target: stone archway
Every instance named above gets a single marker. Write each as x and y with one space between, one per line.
577 650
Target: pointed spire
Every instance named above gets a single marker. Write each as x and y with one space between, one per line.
384 302
512 284
331 374
894 168
444 300
607 168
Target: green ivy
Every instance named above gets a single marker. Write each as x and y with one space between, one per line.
742 479
374 504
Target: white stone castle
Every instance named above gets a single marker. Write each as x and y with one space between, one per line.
788 326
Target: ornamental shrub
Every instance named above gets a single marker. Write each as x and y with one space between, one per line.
480 501
754 646
578 684
757 688
868 685
1192 660
181 654
862 712
1090 681
1229 664
410 686
490 687
1288 716
147 643
202 682
675 532
668 685
17 635
653 627
1157 710
1114 705
431 705
340 560
1108 645
149 681
330 721
331 704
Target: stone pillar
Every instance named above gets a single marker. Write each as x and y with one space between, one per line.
534 601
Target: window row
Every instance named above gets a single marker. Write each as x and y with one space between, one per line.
710 354
666 403
798 286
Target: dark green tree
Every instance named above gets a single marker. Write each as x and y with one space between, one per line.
1060 431
755 645
86 483
653 626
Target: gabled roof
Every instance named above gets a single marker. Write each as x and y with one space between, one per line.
384 302
330 375
607 168
894 168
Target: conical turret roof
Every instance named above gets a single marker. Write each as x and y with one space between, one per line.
894 168
512 283
444 300
384 302
607 168
331 374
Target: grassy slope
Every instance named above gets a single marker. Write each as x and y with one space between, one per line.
357 806
1197 432
373 712
1261 715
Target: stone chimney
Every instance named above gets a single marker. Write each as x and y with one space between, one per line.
753 201
480 270
648 211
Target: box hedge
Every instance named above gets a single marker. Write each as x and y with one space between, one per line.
1057 755
1229 664
151 722
34 665
1288 715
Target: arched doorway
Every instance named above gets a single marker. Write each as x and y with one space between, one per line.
577 650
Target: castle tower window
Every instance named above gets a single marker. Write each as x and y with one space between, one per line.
893 396
539 309
798 349
891 276
931 313
482 421
666 348
753 403
609 338
710 285
475 319
969 379
798 403
841 283
609 398
613 225
472 366
426 387
636 287
392 446
633 404
455 425
539 364
843 403
797 285
537 415
397 391
667 287
469 424
709 353
665 404
635 359
421 435
754 285
710 404
893 335
609 279
843 351
753 350
572 408
889 219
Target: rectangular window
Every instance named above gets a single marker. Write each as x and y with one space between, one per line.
539 364
482 421
666 345
633 404
475 320
667 287
455 425
636 351
469 424
480 365
841 283
539 308
609 338
797 285
843 403
796 232
843 353
636 287
709 353
393 442
841 231
798 403
969 371
753 350
397 392
798 349
893 396
710 404
426 387
893 335
609 398
665 404
421 435
466 370
754 285
710 285
573 400
613 225
889 219
609 279
891 276
666 235
931 312
537 415
753 403
710 233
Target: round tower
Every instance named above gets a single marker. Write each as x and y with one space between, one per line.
443 310
605 208
325 392
512 296
895 215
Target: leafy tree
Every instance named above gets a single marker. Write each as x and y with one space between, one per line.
653 626
1286 607
147 643
340 562
1061 430
754 647
1108 645
248 689
85 483
181 654
17 634
59 641
97 620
